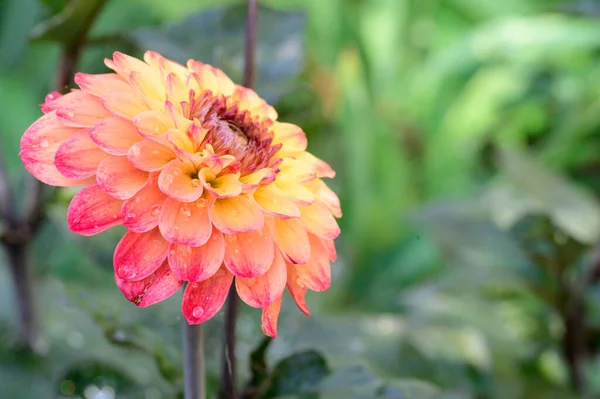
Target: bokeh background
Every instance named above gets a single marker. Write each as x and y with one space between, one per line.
465 134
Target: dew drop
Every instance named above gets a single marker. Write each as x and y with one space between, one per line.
234 213
172 252
208 184
135 150
155 210
196 183
176 172
169 179
127 271
44 143
70 115
299 283
274 201
155 152
194 285
202 202
198 312
186 211
137 200
236 251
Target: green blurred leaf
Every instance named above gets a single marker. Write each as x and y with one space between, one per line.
299 374
70 24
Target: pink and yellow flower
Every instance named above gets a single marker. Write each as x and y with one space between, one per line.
210 186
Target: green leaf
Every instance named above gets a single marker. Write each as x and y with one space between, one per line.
299 374
70 24
217 37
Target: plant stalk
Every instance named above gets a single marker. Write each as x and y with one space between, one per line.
193 367
228 389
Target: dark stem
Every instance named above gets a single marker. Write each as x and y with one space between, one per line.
228 388
193 366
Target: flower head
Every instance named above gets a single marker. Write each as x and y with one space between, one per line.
210 186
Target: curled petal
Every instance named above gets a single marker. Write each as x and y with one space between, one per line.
140 213
77 109
202 300
249 255
150 156
275 202
198 263
297 289
153 123
126 105
270 315
323 168
263 290
294 171
253 180
119 178
138 255
92 211
38 149
291 137
177 180
99 85
115 135
247 99
156 287
316 274
291 237
320 221
236 215
78 156
185 223
326 195
221 187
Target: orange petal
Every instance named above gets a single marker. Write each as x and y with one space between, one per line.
126 105
156 287
91 211
326 195
78 156
247 100
140 212
291 137
99 85
202 300
221 187
185 223
148 87
177 181
323 168
38 149
316 274
320 221
150 156
253 180
77 109
153 123
224 85
270 315
249 255
119 178
330 245
297 192
138 255
262 291
236 215
297 289
276 203
180 140
198 263
115 135
291 237
294 171
124 64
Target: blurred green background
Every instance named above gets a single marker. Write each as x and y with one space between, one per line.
465 134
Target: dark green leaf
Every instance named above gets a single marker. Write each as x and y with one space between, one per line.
299 374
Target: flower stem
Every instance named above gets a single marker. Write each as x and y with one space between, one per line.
228 389
193 367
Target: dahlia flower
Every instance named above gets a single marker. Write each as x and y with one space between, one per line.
210 186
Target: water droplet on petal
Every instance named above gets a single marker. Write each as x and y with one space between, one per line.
236 251
202 202
172 252
169 179
186 211
44 143
194 285
198 312
70 115
274 201
176 172
155 152
155 210
234 213
196 183
299 283
127 271
135 150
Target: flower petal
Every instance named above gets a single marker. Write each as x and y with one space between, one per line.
150 156
275 202
78 156
294 171
250 254
297 289
326 195
316 274
323 168
92 210
296 191
101 84
221 187
330 245
291 237
138 255
224 85
177 180
38 149
185 223
140 212
263 290
126 105
202 300
198 263
153 123
320 221
156 287
115 135
270 315
119 178
77 109
291 137
236 215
